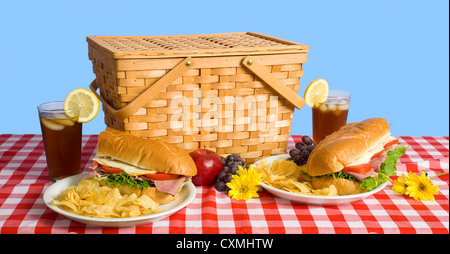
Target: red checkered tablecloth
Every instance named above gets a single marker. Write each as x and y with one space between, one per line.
24 179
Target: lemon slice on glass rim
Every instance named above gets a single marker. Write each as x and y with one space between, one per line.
316 92
82 105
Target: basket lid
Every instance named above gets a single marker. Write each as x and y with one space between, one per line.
120 47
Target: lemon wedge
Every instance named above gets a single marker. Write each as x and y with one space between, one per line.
62 119
316 92
81 104
52 125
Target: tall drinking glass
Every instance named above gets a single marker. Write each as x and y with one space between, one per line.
329 116
62 140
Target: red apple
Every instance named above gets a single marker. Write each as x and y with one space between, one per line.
208 165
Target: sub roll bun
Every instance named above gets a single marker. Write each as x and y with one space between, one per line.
345 145
343 186
141 166
352 157
144 153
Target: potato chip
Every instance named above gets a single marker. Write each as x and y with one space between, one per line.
64 204
327 191
85 187
67 200
146 202
98 211
72 196
286 175
90 198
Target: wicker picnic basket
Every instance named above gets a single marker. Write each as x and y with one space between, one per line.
199 91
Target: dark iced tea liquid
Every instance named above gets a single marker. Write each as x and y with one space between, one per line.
62 143
328 119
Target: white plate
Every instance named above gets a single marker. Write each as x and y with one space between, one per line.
312 199
184 197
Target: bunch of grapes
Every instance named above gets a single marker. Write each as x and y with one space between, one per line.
301 151
230 167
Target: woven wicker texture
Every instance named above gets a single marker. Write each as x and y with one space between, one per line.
205 105
186 43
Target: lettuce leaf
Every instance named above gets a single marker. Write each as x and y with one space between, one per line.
124 178
387 168
343 175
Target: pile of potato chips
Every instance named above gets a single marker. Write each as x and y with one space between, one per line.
88 198
286 175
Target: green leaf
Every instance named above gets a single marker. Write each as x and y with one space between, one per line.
124 178
369 183
387 168
343 175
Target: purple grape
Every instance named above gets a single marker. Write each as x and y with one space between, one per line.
221 186
221 175
299 145
298 159
228 178
294 152
305 155
307 140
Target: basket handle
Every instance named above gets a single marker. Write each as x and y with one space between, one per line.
275 83
148 94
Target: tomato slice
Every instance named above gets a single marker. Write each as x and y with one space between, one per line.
111 170
377 154
161 176
359 169
392 142
388 144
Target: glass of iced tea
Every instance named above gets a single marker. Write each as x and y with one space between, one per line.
62 140
329 116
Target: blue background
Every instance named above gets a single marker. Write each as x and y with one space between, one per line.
393 56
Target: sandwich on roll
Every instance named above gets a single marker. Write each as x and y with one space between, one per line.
141 166
356 158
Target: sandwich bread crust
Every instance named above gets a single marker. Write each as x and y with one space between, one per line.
343 186
149 154
345 145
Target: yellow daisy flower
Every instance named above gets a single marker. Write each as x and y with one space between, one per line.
420 187
251 172
245 185
399 185
242 188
